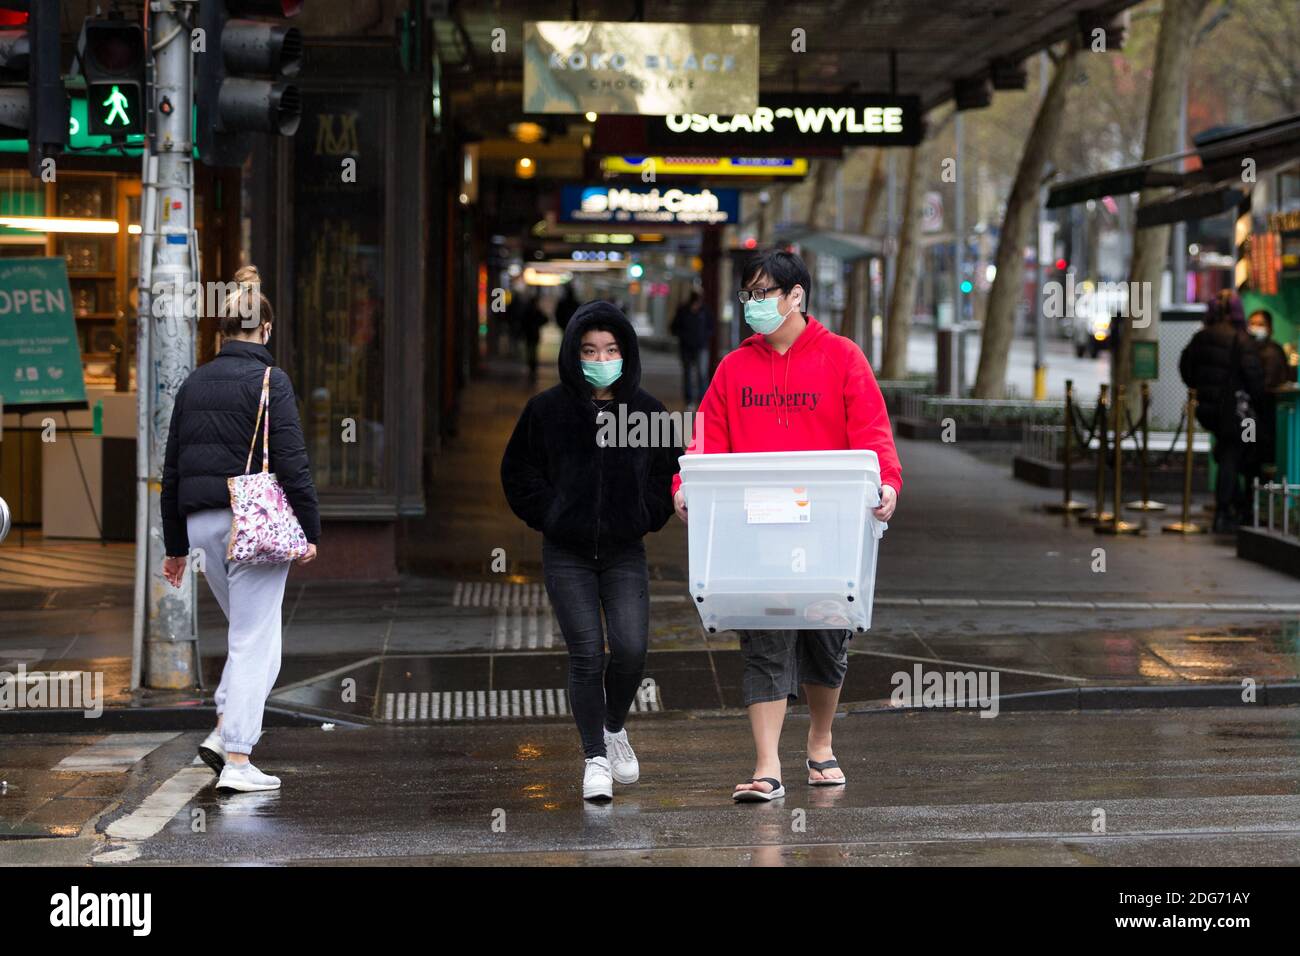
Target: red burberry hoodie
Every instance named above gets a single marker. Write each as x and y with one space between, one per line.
819 396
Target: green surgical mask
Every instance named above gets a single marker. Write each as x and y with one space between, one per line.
602 374
763 317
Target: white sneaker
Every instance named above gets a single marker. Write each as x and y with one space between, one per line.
213 752
597 784
622 758
246 778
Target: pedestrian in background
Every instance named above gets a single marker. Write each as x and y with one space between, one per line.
214 435
1222 363
565 308
1262 456
593 501
693 327
532 319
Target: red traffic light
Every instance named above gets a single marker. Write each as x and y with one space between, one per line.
1060 265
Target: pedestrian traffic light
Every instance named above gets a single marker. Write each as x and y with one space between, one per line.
112 60
241 67
29 55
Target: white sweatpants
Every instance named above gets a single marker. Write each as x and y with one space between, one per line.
250 596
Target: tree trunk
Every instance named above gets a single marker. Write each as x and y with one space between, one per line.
1017 225
875 191
902 299
1151 246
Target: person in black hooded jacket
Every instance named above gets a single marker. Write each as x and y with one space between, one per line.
574 471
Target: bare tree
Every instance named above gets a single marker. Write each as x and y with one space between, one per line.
1022 205
902 299
1151 246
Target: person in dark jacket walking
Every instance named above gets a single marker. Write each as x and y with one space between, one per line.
693 326
212 425
1222 364
1276 370
574 471
565 308
532 320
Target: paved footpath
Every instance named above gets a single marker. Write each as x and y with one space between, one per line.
1139 787
446 693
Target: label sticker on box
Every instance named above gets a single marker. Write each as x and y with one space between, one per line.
777 506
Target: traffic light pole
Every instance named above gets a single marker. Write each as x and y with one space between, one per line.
166 639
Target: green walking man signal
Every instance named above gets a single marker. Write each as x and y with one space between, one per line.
117 103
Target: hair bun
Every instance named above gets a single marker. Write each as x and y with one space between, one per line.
247 273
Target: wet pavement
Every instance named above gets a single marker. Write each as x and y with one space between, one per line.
446 692
926 787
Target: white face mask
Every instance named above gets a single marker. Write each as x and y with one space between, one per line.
1259 332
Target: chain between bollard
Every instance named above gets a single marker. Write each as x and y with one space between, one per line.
1098 512
1068 505
1144 502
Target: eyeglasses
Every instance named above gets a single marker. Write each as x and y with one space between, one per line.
758 295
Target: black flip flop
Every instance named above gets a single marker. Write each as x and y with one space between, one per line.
758 796
823 765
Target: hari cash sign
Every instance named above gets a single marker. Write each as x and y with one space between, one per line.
658 206
651 69
811 119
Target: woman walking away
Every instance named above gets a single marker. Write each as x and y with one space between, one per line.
594 493
216 433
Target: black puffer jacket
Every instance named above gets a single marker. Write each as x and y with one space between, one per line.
1219 361
560 481
212 425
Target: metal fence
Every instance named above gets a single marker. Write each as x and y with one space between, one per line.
1280 508
1043 441
985 410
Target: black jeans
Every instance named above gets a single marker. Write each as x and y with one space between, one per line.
1229 455
579 587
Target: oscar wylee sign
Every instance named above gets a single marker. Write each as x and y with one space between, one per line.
786 119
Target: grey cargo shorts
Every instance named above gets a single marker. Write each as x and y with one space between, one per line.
777 662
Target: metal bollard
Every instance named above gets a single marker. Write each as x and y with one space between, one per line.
1144 503
1068 505
1099 512
1187 526
1116 524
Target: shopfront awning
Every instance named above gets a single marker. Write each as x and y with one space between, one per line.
1211 189
844 246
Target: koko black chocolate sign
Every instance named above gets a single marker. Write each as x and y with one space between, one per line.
786 120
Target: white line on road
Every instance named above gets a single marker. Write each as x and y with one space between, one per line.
116 753
161 805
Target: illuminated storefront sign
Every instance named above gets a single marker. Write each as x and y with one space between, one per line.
649 205
707 165
807 118
572 66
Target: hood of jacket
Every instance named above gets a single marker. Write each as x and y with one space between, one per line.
610 316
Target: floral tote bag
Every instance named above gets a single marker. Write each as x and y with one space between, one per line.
264 529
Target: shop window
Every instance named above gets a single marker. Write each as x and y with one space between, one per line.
339 258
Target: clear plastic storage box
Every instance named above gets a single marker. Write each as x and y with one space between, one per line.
783 539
